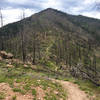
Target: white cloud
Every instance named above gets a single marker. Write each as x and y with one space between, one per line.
18 2
94 14
12 15
57 4
88 1
82 7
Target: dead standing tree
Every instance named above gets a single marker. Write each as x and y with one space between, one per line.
2 40
22 35
1 18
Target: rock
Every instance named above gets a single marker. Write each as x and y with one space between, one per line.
10 66
3 54
17 61
56 92
6 55
0 58
29 63
8 61
26 66
38 80
9 56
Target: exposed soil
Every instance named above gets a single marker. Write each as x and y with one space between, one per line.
9 94
73 91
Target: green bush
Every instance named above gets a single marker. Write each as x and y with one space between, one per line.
34 92
14 97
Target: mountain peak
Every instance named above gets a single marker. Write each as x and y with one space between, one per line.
49 10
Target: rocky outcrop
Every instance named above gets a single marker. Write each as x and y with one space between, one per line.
6 55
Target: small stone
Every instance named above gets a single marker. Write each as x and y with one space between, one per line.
25 66
10 66
56 92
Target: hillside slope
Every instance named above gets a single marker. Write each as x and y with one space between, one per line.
22 81
64 43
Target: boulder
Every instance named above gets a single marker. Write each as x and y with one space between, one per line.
6 55
3 54
10 66
26 66
0 58
8 61
9 56
17 61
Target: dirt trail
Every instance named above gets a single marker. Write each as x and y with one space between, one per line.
73 91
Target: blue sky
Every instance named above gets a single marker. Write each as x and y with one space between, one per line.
12 9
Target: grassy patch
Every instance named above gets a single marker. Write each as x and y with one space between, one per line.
34 92
2 95
14 97
27 87
19 90
28 79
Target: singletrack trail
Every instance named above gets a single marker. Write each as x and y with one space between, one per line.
73 91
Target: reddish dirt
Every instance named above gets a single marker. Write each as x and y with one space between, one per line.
73 91
7 90
40 93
